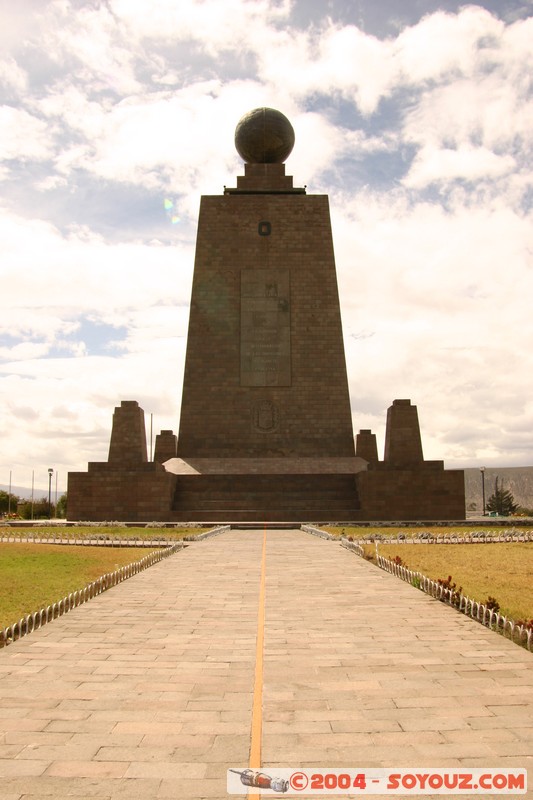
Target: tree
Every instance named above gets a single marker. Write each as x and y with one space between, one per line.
501 501
8 503
39 509
61 509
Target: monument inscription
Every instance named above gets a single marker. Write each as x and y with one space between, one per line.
265 328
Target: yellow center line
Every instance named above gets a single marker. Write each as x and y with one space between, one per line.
257 708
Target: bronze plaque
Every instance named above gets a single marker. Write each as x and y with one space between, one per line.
265 327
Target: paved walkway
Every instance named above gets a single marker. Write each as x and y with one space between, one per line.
147 690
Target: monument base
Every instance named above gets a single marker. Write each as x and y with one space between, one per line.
265 489
133 493
402 487
411 494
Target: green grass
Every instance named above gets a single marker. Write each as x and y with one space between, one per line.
503 571
34 576
111 531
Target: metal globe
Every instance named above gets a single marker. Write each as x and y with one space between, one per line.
264 136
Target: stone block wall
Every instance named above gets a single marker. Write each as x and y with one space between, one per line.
366 447
166 446
411 494
265 371
403 443
131 494
127 487
128 435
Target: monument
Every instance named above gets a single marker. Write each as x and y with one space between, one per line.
266 427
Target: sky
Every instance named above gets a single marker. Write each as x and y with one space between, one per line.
415 117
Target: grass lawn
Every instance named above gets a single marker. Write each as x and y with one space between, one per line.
34 576
90 532
503 571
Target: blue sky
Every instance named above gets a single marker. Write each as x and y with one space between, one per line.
116 116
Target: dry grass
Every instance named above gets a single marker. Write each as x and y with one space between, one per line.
503 571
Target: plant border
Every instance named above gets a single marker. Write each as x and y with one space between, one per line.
477 611
37 619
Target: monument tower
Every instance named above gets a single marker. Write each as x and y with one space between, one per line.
265 414
266 426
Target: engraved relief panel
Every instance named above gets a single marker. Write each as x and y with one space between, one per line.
265 417
265 328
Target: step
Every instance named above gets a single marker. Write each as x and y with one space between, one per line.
293 516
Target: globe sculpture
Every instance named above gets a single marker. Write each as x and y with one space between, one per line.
264 136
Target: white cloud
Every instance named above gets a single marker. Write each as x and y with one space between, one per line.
341 61
216 24
12 77
24 351
432 311
23 136
89 39
445 45
160 140
486 111
41 269
470 163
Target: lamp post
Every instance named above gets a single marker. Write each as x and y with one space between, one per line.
482 470
50 473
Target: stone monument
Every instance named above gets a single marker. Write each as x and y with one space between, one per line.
266 428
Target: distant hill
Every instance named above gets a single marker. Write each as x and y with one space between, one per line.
518 480
24 492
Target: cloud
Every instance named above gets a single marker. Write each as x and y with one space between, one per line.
89 42
216 25
24 351
443 46
467 111
160 140
42 270
445 165
432 311
22 136
12 77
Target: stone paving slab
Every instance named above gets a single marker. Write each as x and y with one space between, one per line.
147 690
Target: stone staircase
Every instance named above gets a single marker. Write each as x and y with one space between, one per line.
265 497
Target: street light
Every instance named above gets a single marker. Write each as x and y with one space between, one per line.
482 470
50 473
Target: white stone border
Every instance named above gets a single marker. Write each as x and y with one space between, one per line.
318 532
476 537
102 540
465 605
39 618
213 532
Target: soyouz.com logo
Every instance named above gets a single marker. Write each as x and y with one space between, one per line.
411 781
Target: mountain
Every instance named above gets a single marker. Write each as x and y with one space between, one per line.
24 492
518 480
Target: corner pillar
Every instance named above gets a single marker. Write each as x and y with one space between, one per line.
128 435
